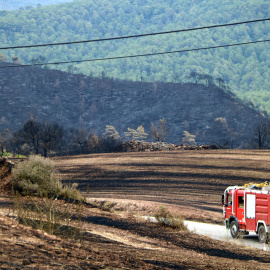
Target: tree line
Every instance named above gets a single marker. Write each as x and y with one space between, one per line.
50 138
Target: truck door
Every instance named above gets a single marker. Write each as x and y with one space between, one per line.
228 205
240 214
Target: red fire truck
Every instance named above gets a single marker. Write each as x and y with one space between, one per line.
247 209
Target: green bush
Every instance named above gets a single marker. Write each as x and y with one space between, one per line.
36 176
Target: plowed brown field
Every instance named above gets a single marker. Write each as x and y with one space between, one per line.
189 183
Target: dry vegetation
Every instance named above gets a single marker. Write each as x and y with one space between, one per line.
119 186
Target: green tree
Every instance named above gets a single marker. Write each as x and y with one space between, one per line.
221 83
38 60
209 80
72 69
196 77
175 77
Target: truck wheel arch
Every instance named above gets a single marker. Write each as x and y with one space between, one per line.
233 218
261 223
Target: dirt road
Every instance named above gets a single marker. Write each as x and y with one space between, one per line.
219 232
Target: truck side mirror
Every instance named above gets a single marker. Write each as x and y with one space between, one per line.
222 199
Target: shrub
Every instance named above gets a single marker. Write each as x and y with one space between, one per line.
35 176
105 205
166 218
71 193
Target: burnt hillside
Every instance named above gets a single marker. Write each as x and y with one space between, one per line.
211 114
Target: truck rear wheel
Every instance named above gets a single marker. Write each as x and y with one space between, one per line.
234 229
262 234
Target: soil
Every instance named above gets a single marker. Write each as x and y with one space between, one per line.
119 189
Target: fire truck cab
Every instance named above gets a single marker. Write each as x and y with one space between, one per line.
247 209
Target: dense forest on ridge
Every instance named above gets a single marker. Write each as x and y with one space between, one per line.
245 69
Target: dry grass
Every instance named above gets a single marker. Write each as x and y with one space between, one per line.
166 218
52 216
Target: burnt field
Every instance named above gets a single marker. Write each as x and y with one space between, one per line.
124 185
191 182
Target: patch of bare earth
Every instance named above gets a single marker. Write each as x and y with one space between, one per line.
127 184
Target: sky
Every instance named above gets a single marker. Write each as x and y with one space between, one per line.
16 4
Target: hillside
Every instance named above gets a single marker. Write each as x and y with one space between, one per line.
73 100
245 69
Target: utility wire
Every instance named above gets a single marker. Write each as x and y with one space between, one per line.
141 55
134 36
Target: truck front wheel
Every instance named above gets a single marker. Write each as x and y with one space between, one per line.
234 229
262 234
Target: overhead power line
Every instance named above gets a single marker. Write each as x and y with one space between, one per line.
141 55
135 36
